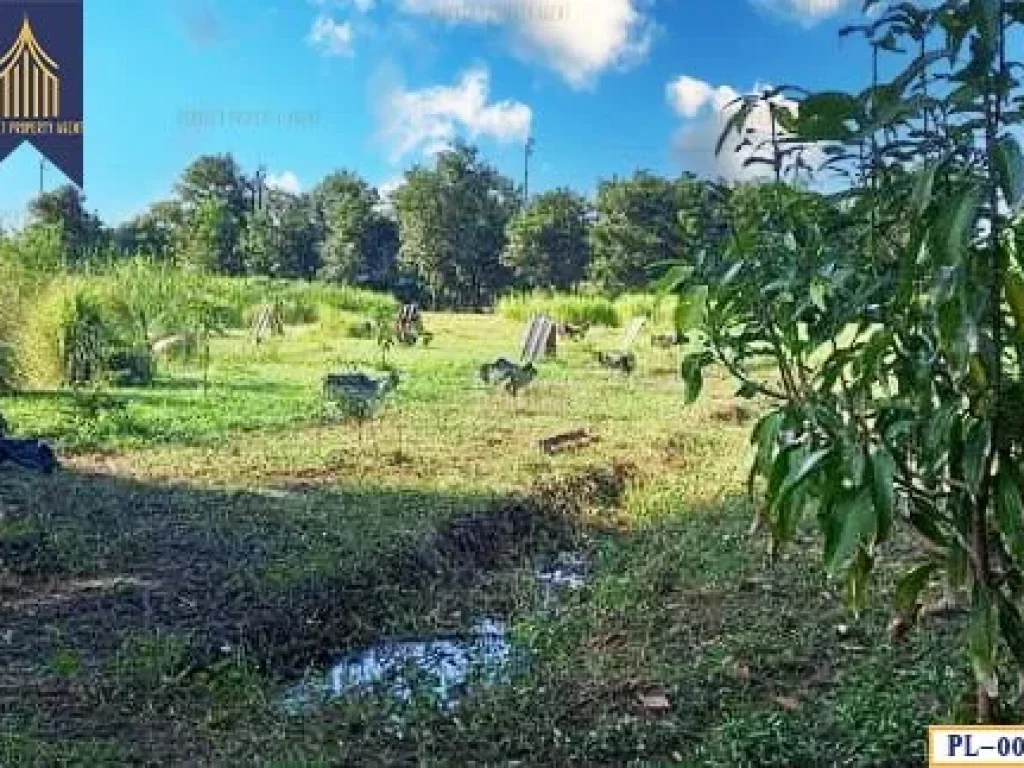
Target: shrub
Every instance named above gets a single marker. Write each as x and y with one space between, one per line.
130 366
72 334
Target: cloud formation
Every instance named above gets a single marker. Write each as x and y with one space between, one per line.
579 39
805 12
427 121
705 110
285 182
330 37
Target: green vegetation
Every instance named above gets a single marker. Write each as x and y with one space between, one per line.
849 376
895 325
581 309
242 535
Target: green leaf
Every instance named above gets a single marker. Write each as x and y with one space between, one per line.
765 437
853 524
922 196
857 581
1012 628
956 222
975 450
800 471
780 467
818 291
825 116
735 124
910 585
693 377
883 490
982 640
747 390
1009 163
690 310
986 20
1015 298
676 276
1010 509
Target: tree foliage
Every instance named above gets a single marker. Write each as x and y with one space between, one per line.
359 242
646 220
893 319
452 220
63 212
548 244
280 239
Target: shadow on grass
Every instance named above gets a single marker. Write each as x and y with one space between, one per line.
287 578
756 665
159 389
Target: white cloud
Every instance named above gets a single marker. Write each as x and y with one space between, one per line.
705 110
688 95
579 39
330 37
428 120
807 12
362 6
285 182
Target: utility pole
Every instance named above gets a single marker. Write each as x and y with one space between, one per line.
257 188
527 151
42 168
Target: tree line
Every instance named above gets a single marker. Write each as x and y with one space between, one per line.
454 234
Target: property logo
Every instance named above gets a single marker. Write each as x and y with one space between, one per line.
41 80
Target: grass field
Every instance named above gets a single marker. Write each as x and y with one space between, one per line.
204 548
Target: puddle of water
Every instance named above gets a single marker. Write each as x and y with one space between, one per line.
567 573
441 667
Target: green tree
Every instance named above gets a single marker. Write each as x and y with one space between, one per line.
215 198
215 177
155 232
63 211
896 325
637 226
452 219
281 239
548 242
358 244
210 238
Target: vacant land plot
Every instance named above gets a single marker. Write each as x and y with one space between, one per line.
205 548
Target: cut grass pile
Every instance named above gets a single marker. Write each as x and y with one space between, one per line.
202 549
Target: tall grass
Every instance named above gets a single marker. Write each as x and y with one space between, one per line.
658 311
240 298
565 308
592 310
79 331
18 288
59 329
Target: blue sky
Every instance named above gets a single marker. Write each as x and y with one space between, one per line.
309 86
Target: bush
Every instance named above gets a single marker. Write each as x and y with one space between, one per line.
130 366
73 334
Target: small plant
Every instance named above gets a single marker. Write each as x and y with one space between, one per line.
385 333
131 366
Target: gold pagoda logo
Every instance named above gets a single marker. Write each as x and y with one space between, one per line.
29 84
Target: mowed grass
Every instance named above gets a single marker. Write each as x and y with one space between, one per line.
203 547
